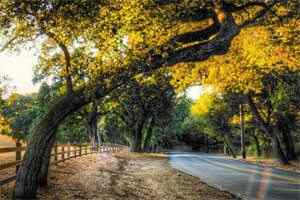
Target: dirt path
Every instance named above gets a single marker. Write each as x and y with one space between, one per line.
127 177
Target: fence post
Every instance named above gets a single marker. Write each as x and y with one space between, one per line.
75 151
80 150
63 153
18 153
69 151
86 149
55 152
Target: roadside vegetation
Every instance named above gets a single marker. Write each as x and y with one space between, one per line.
118 72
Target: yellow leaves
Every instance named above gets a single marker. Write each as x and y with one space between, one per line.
252 55
235 119
204 102
4 125
135 41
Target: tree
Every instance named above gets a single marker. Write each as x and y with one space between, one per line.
214 118
243 70
20 113
68 23
144 104
4 124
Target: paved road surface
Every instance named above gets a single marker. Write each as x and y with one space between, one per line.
248 181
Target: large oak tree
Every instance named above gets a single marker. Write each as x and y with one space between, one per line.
96 46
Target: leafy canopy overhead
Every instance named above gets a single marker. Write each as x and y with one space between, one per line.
82 41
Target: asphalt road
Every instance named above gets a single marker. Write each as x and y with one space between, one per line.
248 181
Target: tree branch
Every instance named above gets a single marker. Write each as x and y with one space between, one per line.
216 46
259 119
259 15
67 56
204 34
6 45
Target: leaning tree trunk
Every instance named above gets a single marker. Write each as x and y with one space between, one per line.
43 175
278 152
28 174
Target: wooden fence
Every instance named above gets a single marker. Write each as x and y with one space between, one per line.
60 153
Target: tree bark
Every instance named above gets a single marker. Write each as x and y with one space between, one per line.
138 137
278 152
207 144
229 146
43 175
149 133
92 128
289 145
28 175
257 145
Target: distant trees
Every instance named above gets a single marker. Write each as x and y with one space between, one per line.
20 112
143 104
270 115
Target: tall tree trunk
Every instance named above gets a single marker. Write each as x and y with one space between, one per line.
278 152
225 148
28 175
138 138
43 175
269 132
149 133
207 144
243 147
92 131
257 145
289 145
229 146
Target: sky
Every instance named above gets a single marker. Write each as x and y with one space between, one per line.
19 68
194 92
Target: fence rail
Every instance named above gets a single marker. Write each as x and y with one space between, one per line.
60 153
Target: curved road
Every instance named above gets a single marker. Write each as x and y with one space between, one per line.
248 181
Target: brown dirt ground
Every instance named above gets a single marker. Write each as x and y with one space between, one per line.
124 176
127 177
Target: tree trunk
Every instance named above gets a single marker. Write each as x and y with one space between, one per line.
289 145
257 145
243 148
149 133
43 175
138 138
28 175
225 148
92 131
229 146
207 144
269 132
278 151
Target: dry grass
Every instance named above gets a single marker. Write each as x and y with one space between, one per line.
125 176
6 141
293 166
